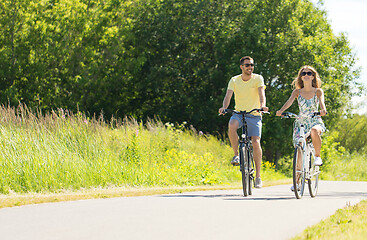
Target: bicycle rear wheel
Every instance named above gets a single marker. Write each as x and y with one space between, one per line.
313 181
298 173
243 168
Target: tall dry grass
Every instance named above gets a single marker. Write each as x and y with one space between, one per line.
47 152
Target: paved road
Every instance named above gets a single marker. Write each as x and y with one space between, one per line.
271 213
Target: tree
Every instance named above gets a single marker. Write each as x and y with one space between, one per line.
193 49
171 59
350 131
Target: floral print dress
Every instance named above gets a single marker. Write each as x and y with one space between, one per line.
306 107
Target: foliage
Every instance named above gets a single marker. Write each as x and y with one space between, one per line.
348 167
350 133
332 154
169 58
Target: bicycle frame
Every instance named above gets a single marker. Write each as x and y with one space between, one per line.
307 150
247 166
245 141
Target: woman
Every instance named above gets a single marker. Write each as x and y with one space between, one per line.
310 96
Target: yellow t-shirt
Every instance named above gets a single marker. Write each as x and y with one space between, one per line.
246 94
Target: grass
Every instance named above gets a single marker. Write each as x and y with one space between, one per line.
348 167
64 152
347 223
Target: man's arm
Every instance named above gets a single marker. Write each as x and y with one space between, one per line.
262 98
226 101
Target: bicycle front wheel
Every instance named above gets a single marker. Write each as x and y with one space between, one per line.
313 181
251 167
298 173
244 169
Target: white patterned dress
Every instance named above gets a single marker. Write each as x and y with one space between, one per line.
306 107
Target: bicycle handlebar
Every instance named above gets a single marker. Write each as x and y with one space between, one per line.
292 115
259 110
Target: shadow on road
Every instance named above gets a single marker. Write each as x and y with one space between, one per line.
341 194
199 196
229 197
260 198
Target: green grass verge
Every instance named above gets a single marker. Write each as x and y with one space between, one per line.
347 223
60 151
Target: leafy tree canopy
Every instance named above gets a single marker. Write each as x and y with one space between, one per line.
171 59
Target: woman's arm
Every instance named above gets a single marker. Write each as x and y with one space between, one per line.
320 95
288 103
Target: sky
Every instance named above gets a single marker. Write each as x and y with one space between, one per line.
350 17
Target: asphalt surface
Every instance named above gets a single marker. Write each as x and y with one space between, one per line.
270 213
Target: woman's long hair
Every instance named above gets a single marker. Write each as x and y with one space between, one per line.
298 82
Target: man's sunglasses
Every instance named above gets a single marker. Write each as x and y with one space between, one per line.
306 73
248 64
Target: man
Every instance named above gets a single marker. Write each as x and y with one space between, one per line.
249 91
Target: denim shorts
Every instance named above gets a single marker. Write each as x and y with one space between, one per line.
254 123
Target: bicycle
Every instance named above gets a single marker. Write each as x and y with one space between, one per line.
303 161
247 166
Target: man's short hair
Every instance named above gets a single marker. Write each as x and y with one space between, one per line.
246 58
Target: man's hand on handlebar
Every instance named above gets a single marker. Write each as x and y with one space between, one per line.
221 111
265 109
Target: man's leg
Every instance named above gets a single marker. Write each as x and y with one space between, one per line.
257 154
232 134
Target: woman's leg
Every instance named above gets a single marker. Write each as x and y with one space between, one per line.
316 139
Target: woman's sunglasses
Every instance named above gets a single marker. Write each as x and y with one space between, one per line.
306 73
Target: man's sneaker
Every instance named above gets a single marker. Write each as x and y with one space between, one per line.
258 183
292 188
318 161
235 161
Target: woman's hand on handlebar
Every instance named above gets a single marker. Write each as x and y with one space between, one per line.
323 112
279 113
